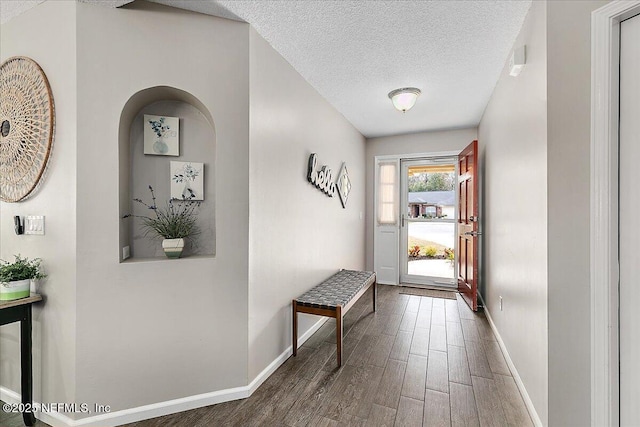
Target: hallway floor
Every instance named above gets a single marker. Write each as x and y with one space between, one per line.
416 361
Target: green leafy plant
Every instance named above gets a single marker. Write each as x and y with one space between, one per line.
431 251
449 254
414 251
21 269
432 181
176 220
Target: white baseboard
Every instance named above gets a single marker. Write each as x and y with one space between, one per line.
514 372
112 419
266 372
53 419
131 415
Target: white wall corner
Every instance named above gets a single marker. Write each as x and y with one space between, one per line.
273 366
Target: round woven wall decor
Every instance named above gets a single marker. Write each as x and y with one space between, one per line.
26 127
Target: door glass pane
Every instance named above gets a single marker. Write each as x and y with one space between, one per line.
430 249
430 213
431 191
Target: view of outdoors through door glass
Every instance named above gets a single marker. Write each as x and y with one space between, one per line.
430 220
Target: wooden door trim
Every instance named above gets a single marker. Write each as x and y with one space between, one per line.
470 296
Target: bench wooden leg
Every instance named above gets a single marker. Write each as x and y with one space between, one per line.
339 333
375 293
295 327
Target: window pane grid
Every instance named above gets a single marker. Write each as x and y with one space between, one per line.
387 190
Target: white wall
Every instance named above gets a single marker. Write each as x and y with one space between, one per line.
298 235
152 331
38 34
138 343
569 121
149 331
409 144
513 156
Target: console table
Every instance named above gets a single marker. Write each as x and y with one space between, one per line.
19 310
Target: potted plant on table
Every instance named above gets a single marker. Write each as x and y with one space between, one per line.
174 223
16 277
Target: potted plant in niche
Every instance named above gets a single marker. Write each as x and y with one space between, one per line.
16 277
174 223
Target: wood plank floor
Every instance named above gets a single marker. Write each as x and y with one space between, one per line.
11 419
417 361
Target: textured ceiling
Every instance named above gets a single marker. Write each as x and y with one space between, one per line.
9 9
355 52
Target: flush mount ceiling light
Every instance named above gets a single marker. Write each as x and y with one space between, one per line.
405 98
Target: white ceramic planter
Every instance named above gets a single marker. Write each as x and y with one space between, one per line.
173 247
14 290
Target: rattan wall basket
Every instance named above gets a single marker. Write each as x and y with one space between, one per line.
27 121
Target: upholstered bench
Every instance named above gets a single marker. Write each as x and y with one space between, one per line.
333 298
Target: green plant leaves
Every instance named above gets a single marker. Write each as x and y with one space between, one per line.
21 269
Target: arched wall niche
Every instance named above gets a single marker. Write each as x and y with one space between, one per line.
137 171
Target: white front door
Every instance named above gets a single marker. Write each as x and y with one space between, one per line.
629 229
428 221
386 223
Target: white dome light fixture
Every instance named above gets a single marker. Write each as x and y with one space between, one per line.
404 98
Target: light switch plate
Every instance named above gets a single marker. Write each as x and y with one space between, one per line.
34 224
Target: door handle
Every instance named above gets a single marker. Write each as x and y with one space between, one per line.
473 233
403 220
473 218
